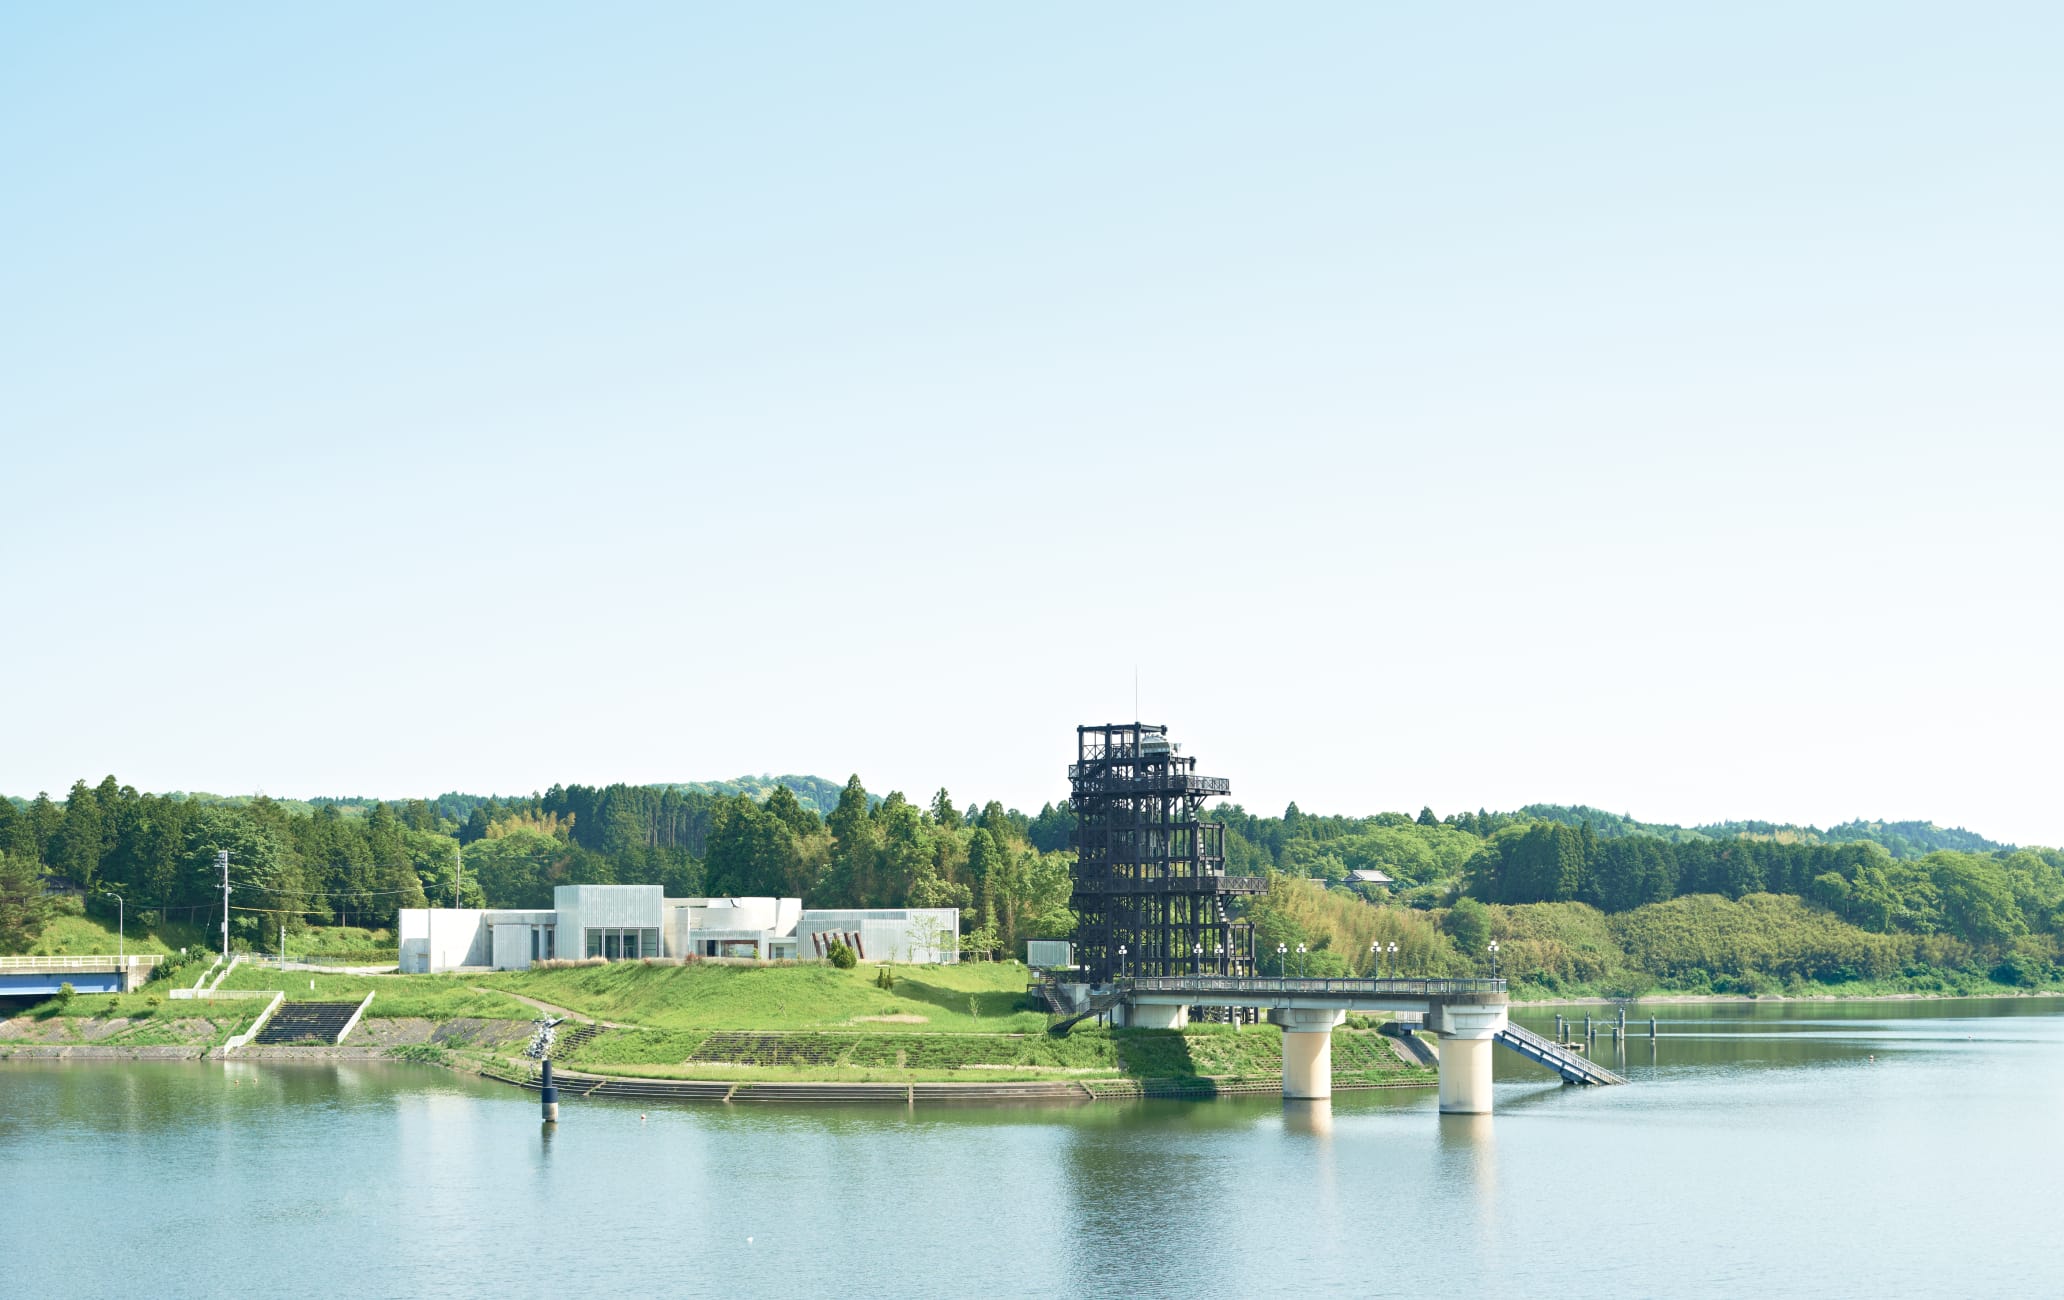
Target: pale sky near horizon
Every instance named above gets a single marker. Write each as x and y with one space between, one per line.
1644 406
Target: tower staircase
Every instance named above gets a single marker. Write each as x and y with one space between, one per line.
1096 1004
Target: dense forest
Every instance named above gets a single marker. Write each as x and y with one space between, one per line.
355 861
1575 893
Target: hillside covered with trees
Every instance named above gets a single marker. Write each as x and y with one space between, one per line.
1579 898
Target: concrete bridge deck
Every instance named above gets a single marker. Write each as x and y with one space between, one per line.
1295 991
1467 1015
42 977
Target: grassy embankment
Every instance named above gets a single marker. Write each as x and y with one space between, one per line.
954 1023
811 1022
149 1017
72 933
396 997
815 1022
977 997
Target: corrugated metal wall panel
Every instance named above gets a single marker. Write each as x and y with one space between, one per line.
1049 953
625 907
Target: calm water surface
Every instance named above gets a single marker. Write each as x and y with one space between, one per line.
1761 1149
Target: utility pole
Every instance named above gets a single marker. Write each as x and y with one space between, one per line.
222 860
458 874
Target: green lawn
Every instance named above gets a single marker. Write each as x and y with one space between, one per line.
978 997
155 1018
342 942
70 935
432 997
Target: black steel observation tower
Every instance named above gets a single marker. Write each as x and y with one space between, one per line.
1149 871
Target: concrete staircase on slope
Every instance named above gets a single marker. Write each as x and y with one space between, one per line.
308 1022
567 1041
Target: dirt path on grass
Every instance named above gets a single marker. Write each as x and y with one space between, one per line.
550 1010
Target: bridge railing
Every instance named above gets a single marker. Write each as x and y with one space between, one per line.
1207 984
108 962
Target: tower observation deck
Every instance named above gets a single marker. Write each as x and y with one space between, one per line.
1149 870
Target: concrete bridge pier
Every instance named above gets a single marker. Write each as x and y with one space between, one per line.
1307 1050
1467 1034
1152 1016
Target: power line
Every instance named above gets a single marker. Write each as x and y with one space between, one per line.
326 893
282 911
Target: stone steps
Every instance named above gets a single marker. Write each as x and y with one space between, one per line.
307 1022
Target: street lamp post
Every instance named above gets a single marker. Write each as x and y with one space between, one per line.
1376 958
1300 961
1218 958
1393 958
121 929
1198 953
1121 961
1282 961
1494 959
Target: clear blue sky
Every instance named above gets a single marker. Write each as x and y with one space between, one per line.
1641 405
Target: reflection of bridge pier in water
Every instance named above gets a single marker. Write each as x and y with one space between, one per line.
1469 1156
1309 1118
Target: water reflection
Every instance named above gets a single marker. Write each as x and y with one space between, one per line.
1720 1171
1310 1118
1470 1140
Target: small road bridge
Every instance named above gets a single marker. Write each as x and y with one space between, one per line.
42 977
1467 1016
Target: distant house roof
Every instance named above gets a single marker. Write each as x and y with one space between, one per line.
1369 876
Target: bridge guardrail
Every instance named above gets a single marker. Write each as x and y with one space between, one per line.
1203 985
106 961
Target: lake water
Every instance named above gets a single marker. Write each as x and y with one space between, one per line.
1760 1149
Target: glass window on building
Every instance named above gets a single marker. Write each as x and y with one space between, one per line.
623 945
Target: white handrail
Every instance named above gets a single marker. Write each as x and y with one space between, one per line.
257 1024
102 962
234 962
352 1023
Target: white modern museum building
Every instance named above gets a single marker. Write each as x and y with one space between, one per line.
631 922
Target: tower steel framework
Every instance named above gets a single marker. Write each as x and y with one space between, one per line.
1149 870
